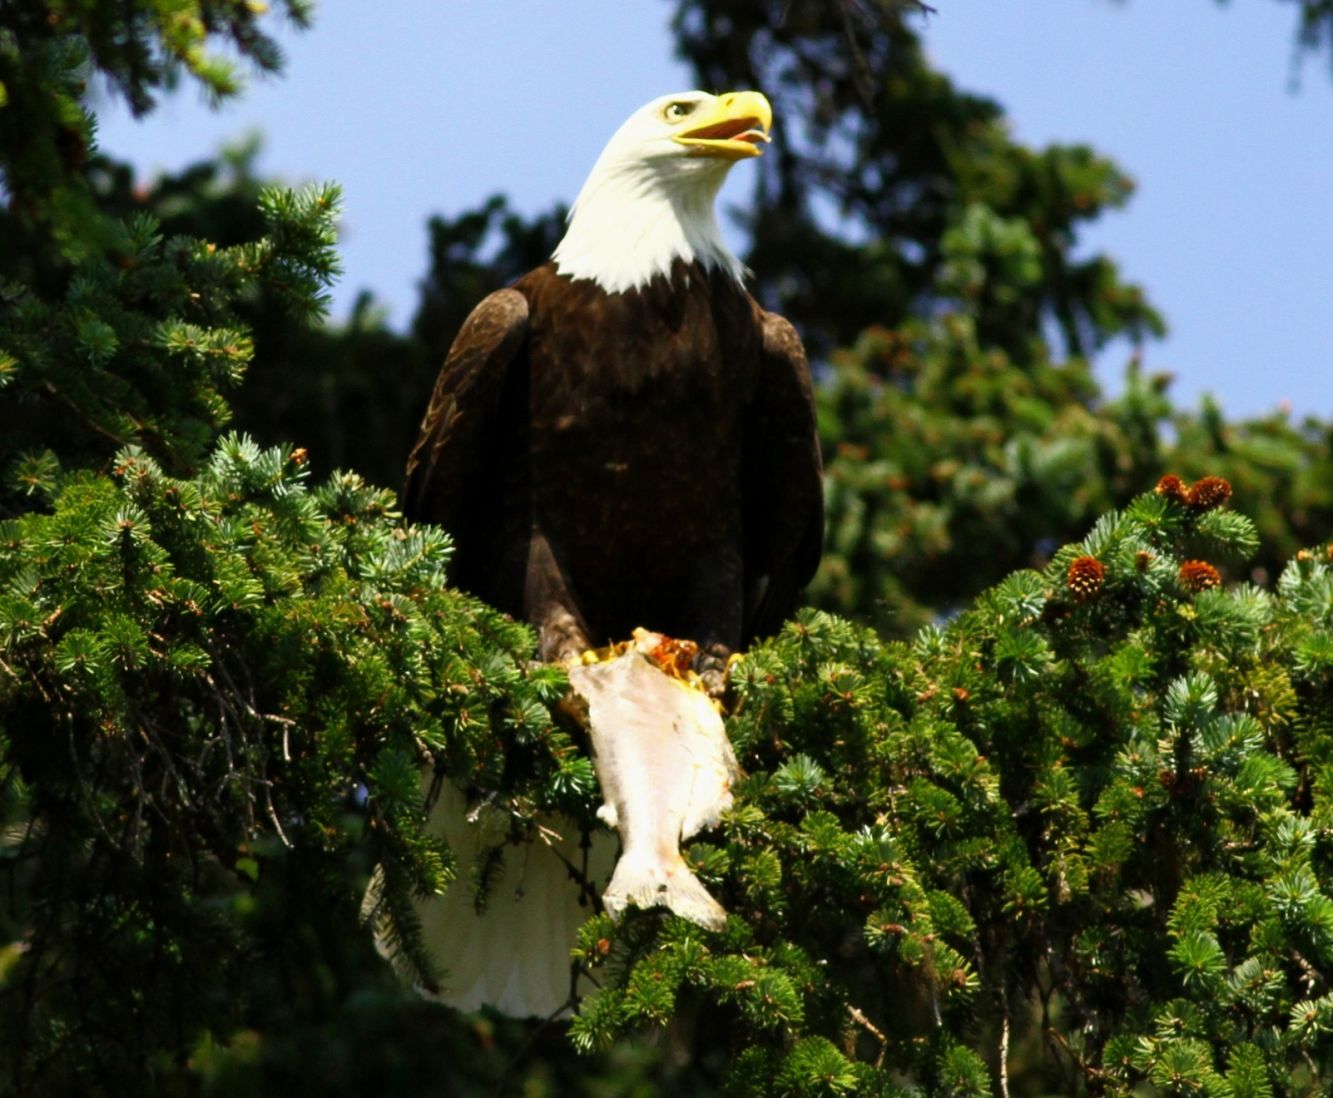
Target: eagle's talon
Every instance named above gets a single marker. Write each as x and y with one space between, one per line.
711 665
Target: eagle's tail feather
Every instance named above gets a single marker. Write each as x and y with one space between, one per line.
512 955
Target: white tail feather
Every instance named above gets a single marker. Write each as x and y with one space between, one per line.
515 954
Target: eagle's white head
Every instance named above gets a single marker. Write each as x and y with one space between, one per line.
649 198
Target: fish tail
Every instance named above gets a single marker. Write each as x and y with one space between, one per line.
642 880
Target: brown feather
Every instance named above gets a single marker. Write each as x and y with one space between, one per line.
606 461
784 494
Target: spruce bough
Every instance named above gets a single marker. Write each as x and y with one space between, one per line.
1080 829
1074 838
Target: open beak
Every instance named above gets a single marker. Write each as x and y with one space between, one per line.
737 126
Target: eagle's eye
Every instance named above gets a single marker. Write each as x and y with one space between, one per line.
674 112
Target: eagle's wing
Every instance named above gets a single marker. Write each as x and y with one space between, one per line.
446 464
784 495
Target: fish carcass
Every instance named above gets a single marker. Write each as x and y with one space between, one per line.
665 767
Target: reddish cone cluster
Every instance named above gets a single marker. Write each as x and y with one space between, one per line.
1199 575
1208 493
1085 578
1204 494
1173 488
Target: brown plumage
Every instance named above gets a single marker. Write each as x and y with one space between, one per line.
613 460
624 438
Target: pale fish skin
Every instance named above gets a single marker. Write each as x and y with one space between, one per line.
666 769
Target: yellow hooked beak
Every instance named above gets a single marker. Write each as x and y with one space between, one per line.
736 126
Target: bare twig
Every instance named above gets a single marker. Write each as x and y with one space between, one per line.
1312 976
1089 1071
580 876
77 411
277 824
85 790
865 1023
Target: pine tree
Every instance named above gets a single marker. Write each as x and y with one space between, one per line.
964 433
1053 830
209 661
1072 834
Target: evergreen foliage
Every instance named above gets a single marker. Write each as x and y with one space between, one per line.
964 433
352 392
1053 830
1074 831
208 662
935 201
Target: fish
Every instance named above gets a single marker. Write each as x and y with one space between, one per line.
665 768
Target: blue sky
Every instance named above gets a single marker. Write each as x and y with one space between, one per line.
422 107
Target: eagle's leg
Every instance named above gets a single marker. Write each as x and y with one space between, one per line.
561 636
714 621
548 603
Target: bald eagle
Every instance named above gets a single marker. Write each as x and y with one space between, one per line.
624 437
